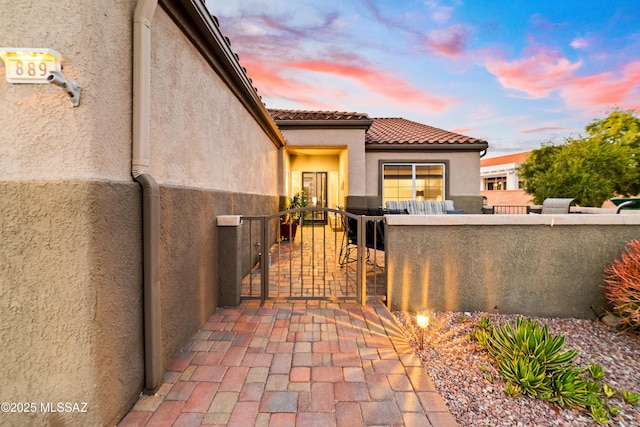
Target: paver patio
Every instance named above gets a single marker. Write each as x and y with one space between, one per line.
305 363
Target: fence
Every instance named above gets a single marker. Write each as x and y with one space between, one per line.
327 254
506 210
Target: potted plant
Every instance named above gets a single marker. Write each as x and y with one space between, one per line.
289 224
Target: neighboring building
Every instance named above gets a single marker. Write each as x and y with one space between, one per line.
348 159
500 183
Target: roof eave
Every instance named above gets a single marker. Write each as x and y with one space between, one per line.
325 124
478 146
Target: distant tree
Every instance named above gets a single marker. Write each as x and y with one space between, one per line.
591 168
621 127
536 173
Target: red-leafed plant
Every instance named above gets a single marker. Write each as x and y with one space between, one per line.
622 287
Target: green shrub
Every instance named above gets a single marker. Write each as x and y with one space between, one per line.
534 363
622 287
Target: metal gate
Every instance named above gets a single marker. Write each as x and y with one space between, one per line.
341 258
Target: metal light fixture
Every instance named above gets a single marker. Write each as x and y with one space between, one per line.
38 65
422 319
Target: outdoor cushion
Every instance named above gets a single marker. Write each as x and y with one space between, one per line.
423 207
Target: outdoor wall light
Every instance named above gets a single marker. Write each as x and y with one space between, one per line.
422 319
41 65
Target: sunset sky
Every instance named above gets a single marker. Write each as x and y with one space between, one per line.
517 73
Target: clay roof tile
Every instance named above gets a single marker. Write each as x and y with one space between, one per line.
397 131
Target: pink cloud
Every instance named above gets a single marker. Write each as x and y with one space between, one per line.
450 41
545 71
380 82
439 13
546 130
606 89
538 74
579 43
461 130
274 85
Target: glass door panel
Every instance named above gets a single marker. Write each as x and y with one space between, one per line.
314 184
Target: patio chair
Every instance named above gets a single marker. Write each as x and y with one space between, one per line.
554 206
374 236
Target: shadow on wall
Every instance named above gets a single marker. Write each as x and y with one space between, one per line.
534 270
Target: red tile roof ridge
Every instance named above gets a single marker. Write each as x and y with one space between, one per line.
285 114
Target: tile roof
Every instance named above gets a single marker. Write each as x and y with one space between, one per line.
315 115
503 160
381 133
401 132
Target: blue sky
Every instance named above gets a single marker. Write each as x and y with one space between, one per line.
517 74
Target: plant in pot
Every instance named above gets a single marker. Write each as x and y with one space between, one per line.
289 224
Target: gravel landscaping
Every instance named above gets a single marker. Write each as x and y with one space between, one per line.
474 390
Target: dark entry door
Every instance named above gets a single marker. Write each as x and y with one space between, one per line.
314 184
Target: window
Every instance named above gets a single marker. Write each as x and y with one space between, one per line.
412 181
495 183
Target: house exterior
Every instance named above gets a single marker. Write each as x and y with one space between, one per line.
500 183
109 255
369 161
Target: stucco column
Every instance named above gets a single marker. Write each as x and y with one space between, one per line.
229 267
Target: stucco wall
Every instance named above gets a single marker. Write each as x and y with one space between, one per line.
189 254
70 299
201 134
43 136
542 265
463 171
70 223
70 259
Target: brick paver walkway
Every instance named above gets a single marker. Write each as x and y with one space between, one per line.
304 363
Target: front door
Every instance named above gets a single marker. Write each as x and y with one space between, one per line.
314 184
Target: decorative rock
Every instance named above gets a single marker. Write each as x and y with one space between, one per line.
611 321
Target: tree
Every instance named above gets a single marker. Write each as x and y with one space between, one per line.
591 168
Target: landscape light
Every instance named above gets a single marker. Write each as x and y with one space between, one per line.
422 319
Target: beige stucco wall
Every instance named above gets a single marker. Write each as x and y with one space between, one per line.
462 175
201 134
43 136
463 171
70 299
70 259
70 224
315 163
189 253
536 265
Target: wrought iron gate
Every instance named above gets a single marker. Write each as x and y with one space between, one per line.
340 259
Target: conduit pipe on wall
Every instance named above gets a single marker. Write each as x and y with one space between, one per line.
140 159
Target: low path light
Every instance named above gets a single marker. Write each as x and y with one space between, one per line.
422 319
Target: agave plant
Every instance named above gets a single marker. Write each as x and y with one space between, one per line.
569 389
534 363
596 371
630 397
